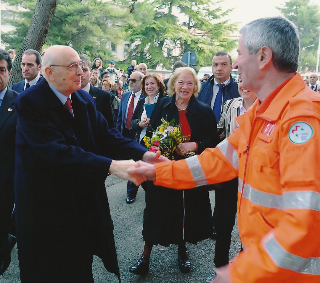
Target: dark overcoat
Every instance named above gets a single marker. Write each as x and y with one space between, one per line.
8 120
172 216
62 210
103 101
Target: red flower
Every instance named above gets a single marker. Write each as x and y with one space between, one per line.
154 148
156 143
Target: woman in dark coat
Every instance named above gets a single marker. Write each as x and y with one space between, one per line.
153 90
171 216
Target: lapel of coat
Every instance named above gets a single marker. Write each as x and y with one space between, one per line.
81 122
7 107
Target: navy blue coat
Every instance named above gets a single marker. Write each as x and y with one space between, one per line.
18 87
228 92
62 210
103 101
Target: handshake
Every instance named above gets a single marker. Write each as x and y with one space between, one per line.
140 171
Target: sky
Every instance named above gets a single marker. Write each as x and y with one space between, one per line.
248 10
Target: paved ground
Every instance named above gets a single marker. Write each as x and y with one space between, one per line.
128 226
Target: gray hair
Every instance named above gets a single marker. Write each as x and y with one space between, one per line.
277 33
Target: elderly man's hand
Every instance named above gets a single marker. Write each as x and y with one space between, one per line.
120 169
152 157
142 172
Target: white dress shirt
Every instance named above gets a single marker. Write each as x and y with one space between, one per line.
216 90
33 82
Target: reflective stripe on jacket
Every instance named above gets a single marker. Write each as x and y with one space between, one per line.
275 154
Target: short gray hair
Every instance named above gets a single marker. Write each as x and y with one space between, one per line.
277 33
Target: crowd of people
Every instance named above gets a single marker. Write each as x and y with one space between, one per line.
70 123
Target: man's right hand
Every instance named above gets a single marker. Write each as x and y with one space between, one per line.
142 172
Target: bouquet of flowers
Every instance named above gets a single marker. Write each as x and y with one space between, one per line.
166 138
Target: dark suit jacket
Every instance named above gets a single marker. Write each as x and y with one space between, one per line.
103 103
122 114
228 92
18 87
8 120
62 210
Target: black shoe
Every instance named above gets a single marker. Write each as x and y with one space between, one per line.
141 266
184 263
5 261
214 233
130 199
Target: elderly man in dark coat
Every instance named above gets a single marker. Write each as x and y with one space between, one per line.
64 152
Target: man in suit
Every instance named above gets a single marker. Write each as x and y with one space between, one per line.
128 103
64 152
30 67
215 92
313 82
8 120
102 98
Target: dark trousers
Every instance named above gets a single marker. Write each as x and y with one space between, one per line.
132 189
224 219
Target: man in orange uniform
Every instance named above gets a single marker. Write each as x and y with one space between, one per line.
275 153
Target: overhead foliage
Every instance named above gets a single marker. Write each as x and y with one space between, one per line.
156 32
85 25
162 26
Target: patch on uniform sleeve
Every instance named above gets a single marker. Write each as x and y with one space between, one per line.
300 132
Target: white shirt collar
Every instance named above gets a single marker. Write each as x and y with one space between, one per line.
226 82
32 82
87 87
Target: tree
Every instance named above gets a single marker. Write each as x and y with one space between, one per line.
307 19
36 34
85 25
162 26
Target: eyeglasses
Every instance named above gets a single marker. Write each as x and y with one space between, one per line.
134 80
72 66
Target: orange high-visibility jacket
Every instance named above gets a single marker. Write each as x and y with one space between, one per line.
276 155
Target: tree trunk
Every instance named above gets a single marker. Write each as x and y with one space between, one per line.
36 35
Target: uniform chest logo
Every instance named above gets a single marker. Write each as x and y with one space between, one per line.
268 128
300 132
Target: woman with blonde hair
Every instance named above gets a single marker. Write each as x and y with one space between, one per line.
174 216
